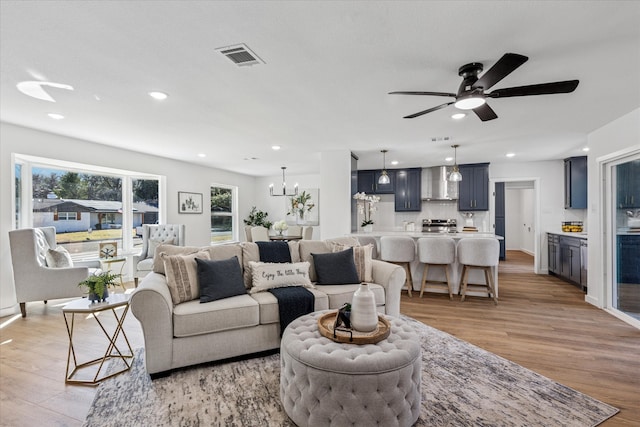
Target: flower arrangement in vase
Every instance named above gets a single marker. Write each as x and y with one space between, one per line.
300 205
280 226
366 207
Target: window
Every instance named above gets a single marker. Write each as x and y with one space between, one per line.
67 216
223 214
86 204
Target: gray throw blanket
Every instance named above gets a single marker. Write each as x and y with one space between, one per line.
293 302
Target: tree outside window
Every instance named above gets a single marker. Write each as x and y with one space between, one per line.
223 216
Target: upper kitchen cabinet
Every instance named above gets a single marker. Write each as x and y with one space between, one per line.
368 182
628 184
408 190
473 190
575 182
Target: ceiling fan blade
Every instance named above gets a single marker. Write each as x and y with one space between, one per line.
501 69
539 89
423 93
485 113
439 107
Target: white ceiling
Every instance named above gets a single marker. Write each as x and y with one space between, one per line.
329 67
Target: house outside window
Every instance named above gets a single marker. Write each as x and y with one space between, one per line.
224 214
84 203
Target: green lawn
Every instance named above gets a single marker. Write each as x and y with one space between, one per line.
95 235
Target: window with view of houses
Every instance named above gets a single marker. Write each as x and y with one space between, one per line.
85 206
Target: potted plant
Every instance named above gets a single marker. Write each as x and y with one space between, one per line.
258 218
98 284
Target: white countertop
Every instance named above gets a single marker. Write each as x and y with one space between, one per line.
578 235
419 234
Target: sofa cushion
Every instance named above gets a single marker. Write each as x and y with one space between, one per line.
58 258
274 251
220 252
336 268
312 246
250 252
219 279
192 318
182 275
269 305
158 264
363 257
270 275
339 294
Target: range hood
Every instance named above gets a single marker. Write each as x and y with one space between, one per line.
435 184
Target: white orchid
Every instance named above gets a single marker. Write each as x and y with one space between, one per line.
366 206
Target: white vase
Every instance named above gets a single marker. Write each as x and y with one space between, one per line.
368 228
364 317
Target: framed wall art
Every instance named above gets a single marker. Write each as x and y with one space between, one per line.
189 203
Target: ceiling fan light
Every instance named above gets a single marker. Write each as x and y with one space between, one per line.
469 103
384 178
458 116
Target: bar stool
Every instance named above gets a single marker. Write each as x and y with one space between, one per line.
366 240
399 250
478 253
436 252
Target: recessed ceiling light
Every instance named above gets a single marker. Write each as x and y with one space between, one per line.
275 147
202 155
448 159
158 95
511 154
394 162
585 149
55 116
458 116
251 158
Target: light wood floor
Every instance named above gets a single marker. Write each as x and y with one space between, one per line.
540 322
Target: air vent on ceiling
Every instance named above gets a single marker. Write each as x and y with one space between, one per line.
240 54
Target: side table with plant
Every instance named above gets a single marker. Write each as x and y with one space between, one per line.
97 285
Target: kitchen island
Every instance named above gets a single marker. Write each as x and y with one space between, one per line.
475 276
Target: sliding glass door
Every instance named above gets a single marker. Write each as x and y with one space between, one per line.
625 292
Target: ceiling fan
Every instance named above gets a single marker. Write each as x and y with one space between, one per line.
471 93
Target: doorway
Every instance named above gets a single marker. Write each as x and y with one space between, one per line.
515 209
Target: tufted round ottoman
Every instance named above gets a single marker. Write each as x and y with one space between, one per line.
325 383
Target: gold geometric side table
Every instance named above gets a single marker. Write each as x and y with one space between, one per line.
85 307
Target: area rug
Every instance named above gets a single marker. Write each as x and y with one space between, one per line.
462 385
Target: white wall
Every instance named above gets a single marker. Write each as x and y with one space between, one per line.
335 186
621 134
180 176
513 218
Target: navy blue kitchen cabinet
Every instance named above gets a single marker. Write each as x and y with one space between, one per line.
628 184
473 190
575 182
408 194
628 259
368 182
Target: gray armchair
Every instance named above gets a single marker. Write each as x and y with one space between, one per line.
152 236
32 278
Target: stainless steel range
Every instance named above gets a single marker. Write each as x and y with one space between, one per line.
439 226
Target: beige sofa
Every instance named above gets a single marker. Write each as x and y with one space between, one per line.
189 333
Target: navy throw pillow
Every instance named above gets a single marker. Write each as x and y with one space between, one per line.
336 268
219 279
274 251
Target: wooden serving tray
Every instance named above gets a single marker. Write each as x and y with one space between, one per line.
351 336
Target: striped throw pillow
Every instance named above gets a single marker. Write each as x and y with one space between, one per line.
182 275
362 256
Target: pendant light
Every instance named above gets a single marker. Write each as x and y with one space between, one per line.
455 176
284 187
384 177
